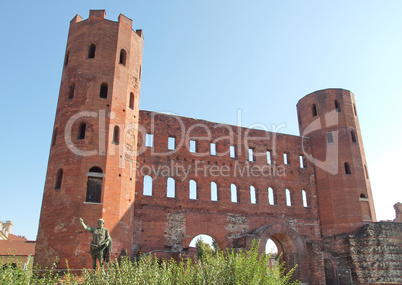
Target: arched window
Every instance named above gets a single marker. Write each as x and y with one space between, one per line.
71 90
193 190
337 107
59 178
314 110
81 131
94 185
66 58
171 188
288 198
362 196
253 195
123 56
233 193
147 188
91 51
271 196
353 135
131 102
347 168
214 192
305 201
116 135
103 90
54 136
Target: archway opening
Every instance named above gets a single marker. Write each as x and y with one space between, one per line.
329 273
202 245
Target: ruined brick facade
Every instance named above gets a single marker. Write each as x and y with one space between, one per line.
159 180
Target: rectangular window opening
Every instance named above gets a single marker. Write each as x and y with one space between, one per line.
232 151
193 146
302 162
251 154
286 158
149 140
171 143
330 138
213 148
269 157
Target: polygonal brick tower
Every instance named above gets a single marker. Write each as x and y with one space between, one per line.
92 156
329 118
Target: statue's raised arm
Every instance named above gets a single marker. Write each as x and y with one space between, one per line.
83 225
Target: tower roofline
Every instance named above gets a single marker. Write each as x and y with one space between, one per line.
322 90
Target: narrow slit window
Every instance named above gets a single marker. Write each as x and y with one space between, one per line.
330 137
116 135
304 196
366 172
91 51
123 56
286 158
59 178
193 146
71 91
347 168
147 187
314 110
288 198
337 107
251 154
269 157
131 102
149 140
232 151
271 196
233 193
81 131
54 136
353 134
139 73
171 188
302 162
214 192
66 58
94 185
193 190
213 148
354 109
253 195
103 90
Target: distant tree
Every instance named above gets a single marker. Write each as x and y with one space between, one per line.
203 249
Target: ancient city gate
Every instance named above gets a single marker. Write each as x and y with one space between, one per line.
234 184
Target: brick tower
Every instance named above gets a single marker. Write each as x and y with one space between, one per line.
92 156
329 118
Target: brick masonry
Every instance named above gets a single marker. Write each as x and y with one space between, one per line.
320 213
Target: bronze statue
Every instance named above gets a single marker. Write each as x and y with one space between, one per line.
101 245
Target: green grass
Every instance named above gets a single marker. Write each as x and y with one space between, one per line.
228 267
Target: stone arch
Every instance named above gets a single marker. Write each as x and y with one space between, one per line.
289 244
330 269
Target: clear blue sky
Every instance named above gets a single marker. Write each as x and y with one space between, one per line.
207 59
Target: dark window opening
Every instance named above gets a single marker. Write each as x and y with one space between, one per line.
81 131
71 90
59 178
362 196
54 137
103 90
94 189
314 110
96 169
66 58
337 107
347 168
330 137
139 73
116 135
123 56
366 172
91 51
353 134
131 102
354 109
